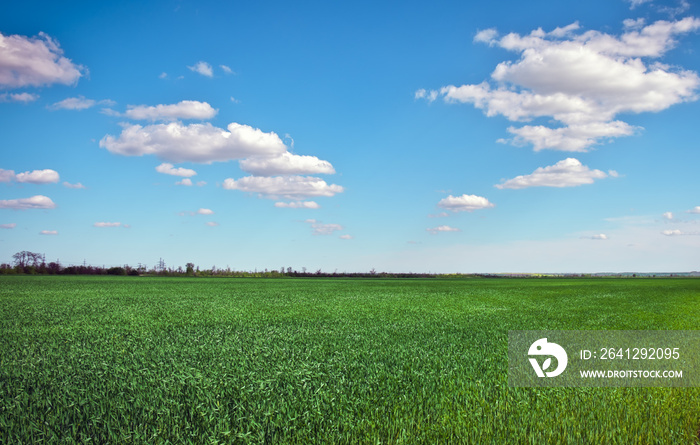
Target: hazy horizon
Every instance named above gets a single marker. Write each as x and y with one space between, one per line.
448 137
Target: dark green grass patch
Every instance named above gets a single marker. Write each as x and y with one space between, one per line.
160 360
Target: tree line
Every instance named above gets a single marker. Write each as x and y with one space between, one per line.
31 263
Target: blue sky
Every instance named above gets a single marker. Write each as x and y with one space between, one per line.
541 136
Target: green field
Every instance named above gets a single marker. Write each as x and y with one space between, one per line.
178 360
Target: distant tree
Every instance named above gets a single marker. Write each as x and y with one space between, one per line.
189 268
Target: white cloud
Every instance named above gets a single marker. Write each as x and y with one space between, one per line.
18 97
286 164
430 96
439 215
202 143
7 175
35 61
35 202
8 226
34 177
464 203
600 236
320 228
186 109
73 103
38 176
203 211
696 209
298 205
345 237
288 187
212 224
486 36
668 216
163 75
439 229
169 169
635 3
110 224
580 80
187 182
48 232
202 68
571 138
226 69
74 186
678 232
565 173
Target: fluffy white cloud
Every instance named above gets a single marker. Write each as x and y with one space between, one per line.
169 169
226 69
288 187
18 97
34 177
581 80
668 215
110 224
464 203
35 202
8 226
202 68
203 143
212 224
6 175
565 173
570 138
320 228
439 229
345 237
48 232
187 182
286 164
186 109
696 209
298 205
35 61
38 176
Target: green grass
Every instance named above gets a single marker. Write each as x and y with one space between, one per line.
177 360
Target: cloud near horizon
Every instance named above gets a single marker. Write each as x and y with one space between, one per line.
110 224
320 228
441 229
582 80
